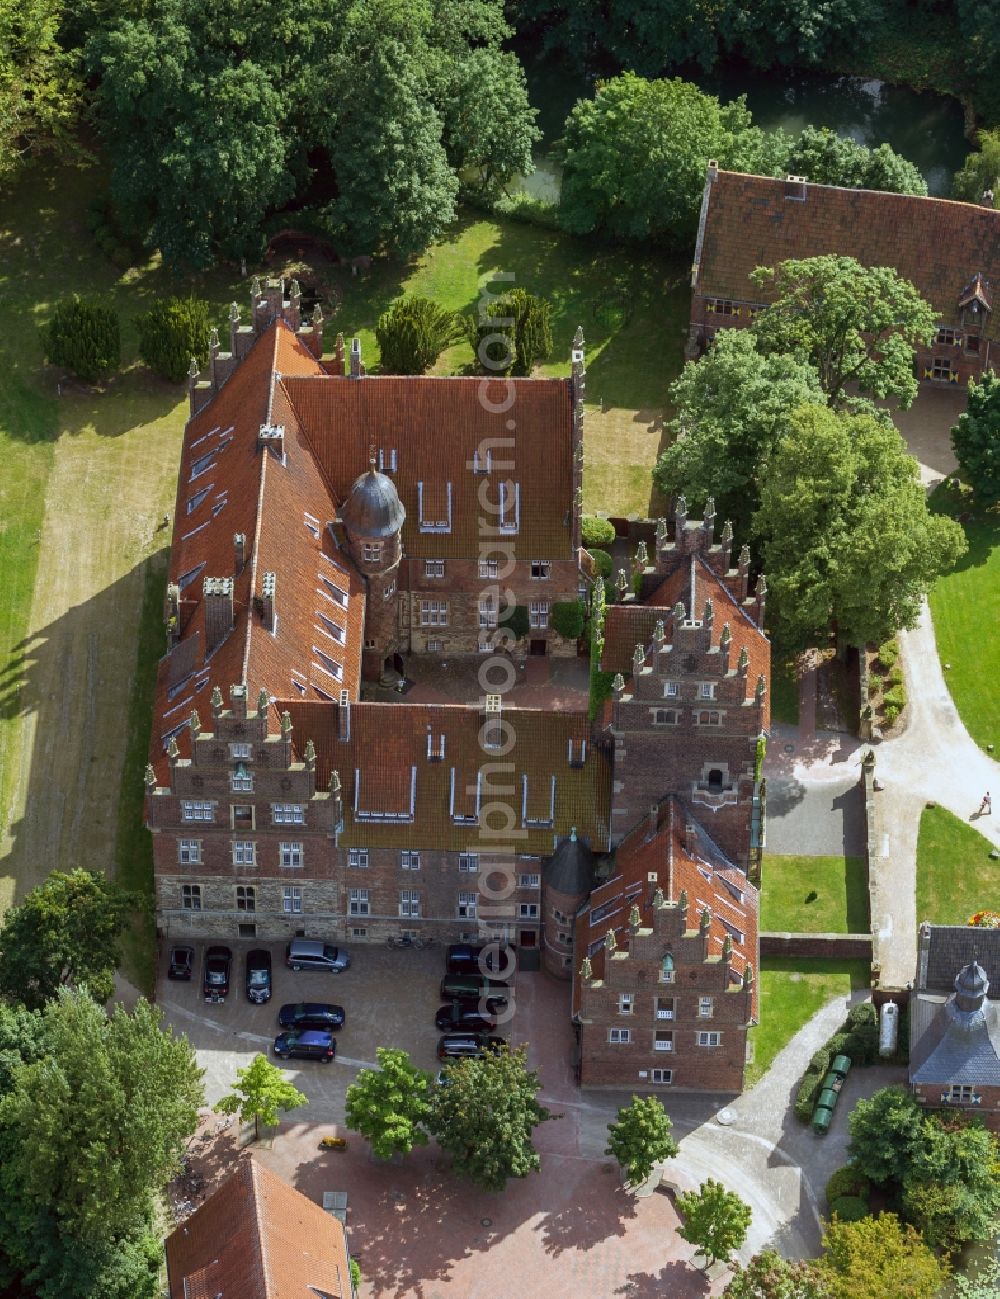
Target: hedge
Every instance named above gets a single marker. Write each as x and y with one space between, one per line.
857 1037
597 532
849 1208
603 562
568 618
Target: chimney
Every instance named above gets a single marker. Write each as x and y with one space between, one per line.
239 552
293 312
712 171
317 331
725 647
238 701
338 355
218 596
344 717
795 187
727 544
708 526
267 599
680 519
357 369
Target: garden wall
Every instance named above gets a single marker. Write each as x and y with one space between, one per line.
837 947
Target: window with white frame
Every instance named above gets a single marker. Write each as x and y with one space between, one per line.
531 880
246 897
336 593
706 1007
626 1001
409 859
487 611
359 931
288 814
663 1040
434 613
193 810
291 900
331 628
241 781
388 460
358 903
433 568
960 1093
371 552
243 852
671 689
409 903
538 613
189 852
482 464
327 664
467 905
358 857
469 862
509 514
540 568
664 1007
709 1039
240 752
488 568
619 1036
290 854
661 1077
528 910
191 897
389 591
706 689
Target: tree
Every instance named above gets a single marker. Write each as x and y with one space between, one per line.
66 932
390 1106
489 123
40 83
876 1257
634 157
89 1135
597 532
485 1115
413 333
886 1133
830 159
640 1139
856 324
83 336
512 333
172 332
716 1221
260 1091
731 407
769 1276
846 534
976 439
981 170
569 616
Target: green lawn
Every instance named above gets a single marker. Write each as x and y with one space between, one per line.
841 886
966 608
792 990
955 876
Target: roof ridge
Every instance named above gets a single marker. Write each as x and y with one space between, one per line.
860 189
256 1194
254 559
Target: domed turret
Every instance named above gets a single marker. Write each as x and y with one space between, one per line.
567 878
971 987
373 508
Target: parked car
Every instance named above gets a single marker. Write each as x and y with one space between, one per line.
472 987
258 976
312 954
218 963
464 1015
181 963
305 1044
465 958
462 1046
312 1014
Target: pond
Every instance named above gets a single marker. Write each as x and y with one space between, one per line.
926 128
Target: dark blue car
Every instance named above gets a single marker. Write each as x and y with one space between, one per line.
312 1014
305 1044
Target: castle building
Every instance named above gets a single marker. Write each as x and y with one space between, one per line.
332 525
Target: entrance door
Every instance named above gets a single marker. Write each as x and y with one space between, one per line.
538 647
528 938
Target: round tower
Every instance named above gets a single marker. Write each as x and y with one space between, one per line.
567 879
373 517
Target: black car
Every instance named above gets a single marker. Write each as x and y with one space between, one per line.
312 1014
218 963
464 1015
468 958
181 963
462 1046
305 1044
258 976
472 987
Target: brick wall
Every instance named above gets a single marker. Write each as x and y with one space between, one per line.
838 947
987 1111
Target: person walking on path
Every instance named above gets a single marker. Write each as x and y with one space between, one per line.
986 806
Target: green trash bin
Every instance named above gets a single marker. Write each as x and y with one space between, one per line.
832 1082
827 1098
841 1065
821 1119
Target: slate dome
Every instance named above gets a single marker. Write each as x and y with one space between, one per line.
373 508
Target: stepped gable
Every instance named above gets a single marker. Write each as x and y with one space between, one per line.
684 861
277 501
938 244
435 426
397 789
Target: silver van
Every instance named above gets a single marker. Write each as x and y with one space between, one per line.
313 954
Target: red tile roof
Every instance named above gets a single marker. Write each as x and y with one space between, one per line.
704 872
258 1238
435 425
384 769
937 244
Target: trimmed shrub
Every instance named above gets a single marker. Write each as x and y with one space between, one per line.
847 1181
895 676
888 654
597 532
603 561
568 618
84 337
515 332
518 621
806 1096
862 1013
895 697
413 333
171 333
849 1208
820 1062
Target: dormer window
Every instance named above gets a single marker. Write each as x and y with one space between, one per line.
435 747
388 461
482 464
509 514
576 754
535 819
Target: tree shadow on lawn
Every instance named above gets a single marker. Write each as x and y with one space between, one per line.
981 525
